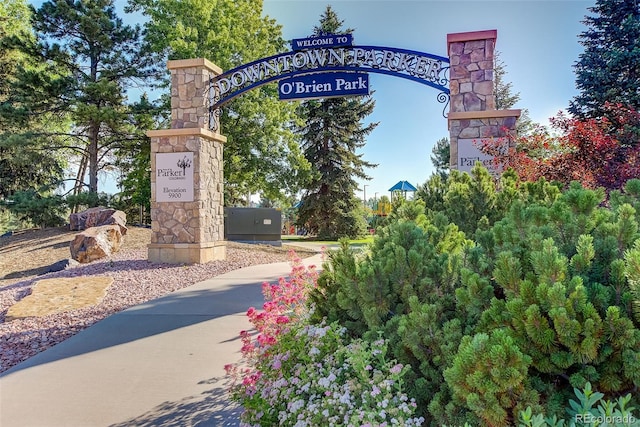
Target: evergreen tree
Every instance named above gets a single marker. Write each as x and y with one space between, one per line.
14 19
332 133
28 170
441 157
93 58
608 71
544 300
132 161
506 98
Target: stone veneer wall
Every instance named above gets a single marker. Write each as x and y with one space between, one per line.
190 231
471 60
190 92
472 111
491 124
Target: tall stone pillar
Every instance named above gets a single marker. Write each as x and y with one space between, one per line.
187 214
472 112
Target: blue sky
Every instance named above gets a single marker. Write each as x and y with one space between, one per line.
537 41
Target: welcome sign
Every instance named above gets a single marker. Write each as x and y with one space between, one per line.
322 55
174 177
325 85
330 40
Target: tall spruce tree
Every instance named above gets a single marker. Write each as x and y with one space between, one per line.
440 157
332 133
609 68
93 59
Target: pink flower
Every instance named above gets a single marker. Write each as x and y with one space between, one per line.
282 319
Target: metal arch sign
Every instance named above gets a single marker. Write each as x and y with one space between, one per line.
424 68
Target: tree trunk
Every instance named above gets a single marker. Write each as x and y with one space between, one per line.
93 157
82 172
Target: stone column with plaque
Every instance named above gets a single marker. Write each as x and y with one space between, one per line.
472 114
187 213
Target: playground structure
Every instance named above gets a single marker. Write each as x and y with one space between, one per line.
401 189
381 208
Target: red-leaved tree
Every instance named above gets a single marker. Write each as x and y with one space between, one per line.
602 152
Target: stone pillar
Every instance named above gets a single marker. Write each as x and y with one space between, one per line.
472 111
187 214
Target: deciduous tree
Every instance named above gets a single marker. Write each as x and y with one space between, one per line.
261 153
602 152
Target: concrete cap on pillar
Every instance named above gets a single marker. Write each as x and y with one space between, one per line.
471 35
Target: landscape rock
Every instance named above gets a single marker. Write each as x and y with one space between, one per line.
96 217
52 296
95 243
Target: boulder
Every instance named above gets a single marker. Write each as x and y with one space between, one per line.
96 217
95 243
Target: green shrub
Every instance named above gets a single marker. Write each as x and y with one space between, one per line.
86 200
542 301
38 209
583 412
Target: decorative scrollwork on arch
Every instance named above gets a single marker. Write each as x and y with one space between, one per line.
444 98
214 112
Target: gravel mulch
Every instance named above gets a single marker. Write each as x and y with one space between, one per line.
135 281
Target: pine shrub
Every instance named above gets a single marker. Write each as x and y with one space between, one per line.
534 294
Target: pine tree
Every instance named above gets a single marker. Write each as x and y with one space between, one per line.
132 160
92 59
25 163
506 98
544 300
332 133
441 157
608 71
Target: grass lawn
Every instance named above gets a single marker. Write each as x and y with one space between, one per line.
354 242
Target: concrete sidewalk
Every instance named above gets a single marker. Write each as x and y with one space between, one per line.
157 364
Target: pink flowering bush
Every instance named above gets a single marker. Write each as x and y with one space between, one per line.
285 303
297 374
